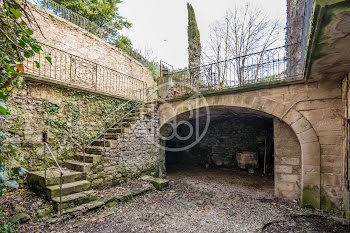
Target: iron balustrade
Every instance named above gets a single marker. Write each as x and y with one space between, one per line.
69 69
71 16
278 64
86 24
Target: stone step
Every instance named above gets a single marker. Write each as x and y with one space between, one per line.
69 188
89 158
75 199
96 150
122 124
117 130
113 136
112 199
78 166
101 142
128 119
37 179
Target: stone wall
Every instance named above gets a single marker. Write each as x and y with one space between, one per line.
130 156
69 115
61 34
287 155
315 113
226 136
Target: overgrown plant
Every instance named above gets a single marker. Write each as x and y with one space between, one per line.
16 45
194 41
5 224
103 13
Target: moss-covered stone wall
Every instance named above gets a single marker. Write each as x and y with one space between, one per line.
67 116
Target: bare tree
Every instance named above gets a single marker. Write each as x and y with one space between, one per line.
243 30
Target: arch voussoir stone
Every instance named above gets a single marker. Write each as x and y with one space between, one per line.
308 140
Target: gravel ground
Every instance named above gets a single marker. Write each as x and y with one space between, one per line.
206 201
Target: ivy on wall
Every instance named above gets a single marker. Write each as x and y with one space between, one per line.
68 116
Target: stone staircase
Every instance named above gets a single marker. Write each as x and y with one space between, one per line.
76 189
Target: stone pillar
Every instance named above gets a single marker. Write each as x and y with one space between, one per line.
287 155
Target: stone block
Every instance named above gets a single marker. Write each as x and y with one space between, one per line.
331 140
44 212
292 116
279 110
290 178
313 115
329 179
286 186
330 133
311 178
20 218
311 153
289 161
159 183
301 125
307 136
331 150
328 125
283 169
311 169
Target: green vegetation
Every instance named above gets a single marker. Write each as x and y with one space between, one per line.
5 224
194 43
104 13
17 44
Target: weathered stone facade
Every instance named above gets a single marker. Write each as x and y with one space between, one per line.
287 155
226 136
62 34
132 155
314 113
68 116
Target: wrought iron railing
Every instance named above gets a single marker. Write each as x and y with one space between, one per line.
71 16
278 64
69 69
86 24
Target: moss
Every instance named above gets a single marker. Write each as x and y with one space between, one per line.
259 105
304 124
346 201
329 2
182 109
247 100
326 203
217 99
311 197
325 12
68 116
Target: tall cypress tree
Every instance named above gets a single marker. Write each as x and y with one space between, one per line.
194 42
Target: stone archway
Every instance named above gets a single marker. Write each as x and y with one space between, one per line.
305 133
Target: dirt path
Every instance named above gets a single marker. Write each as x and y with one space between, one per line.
205 201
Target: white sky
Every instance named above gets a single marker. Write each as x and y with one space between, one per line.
162 24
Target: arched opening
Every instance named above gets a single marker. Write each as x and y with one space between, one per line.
245 145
